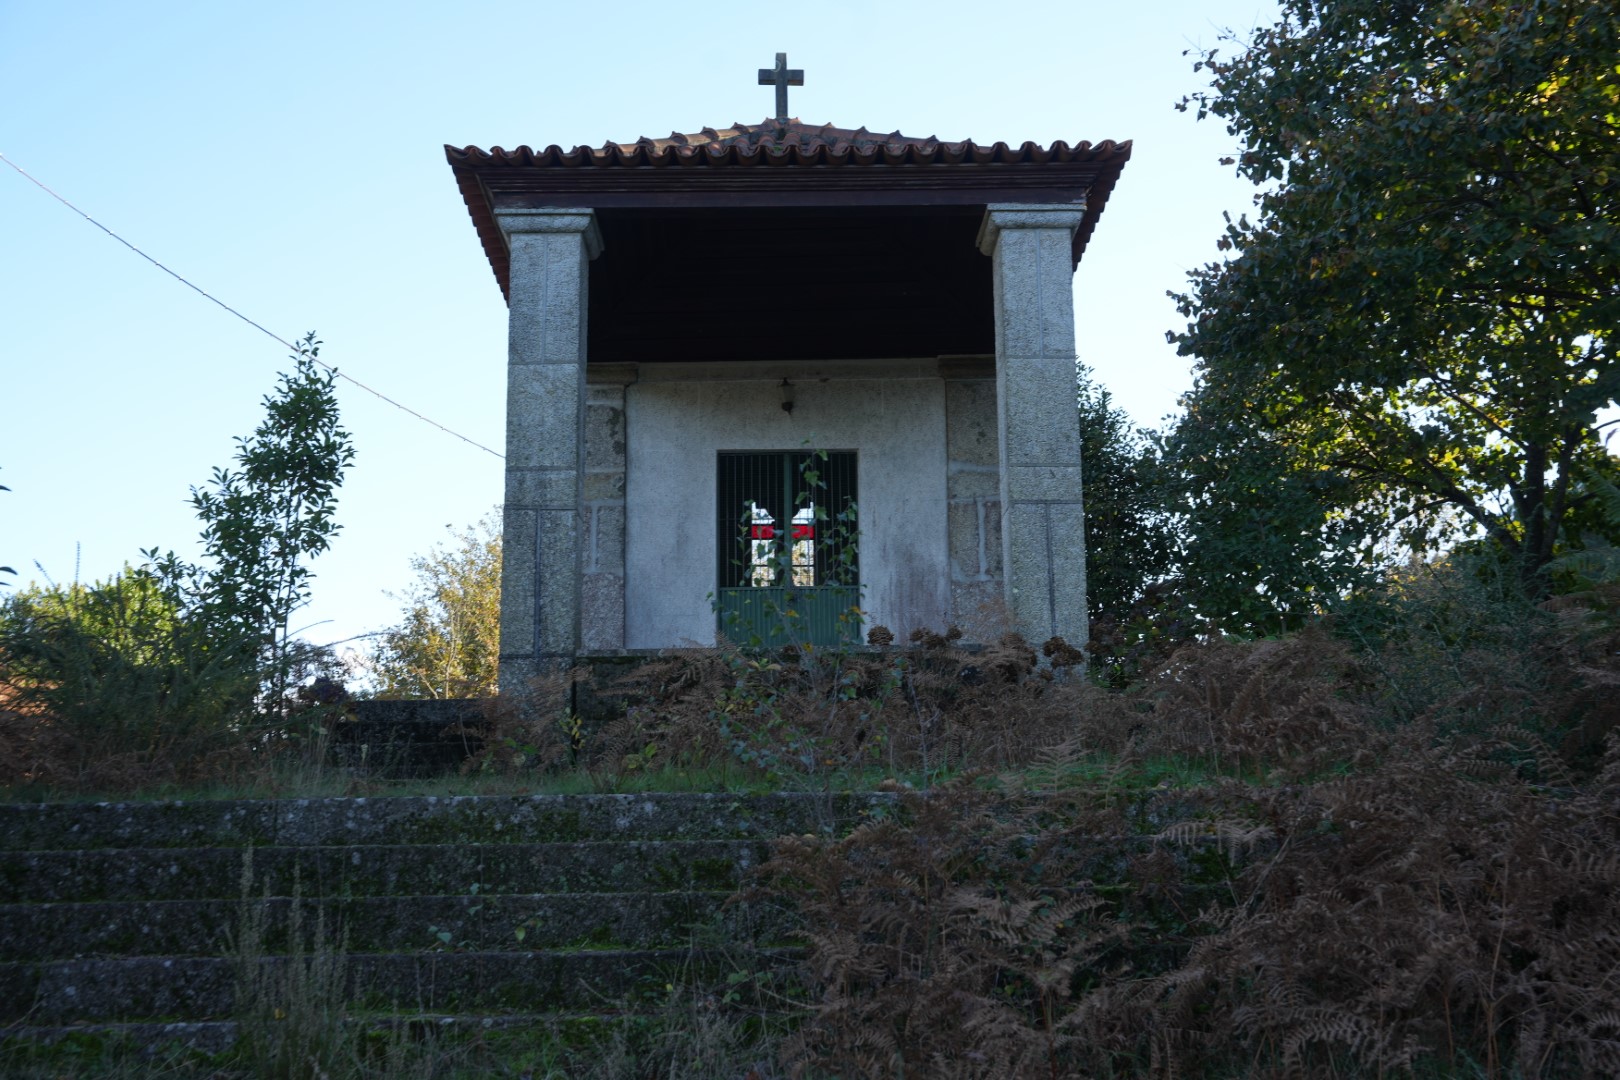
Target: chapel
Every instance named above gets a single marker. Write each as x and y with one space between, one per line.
784 383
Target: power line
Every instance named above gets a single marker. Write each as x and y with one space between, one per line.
206 295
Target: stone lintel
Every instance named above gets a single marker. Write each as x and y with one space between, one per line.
999 216
550 219
795 371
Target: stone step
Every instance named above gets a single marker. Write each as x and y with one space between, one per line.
117 914
175 989
470 819
378 924
156 1037
108 874
149 1039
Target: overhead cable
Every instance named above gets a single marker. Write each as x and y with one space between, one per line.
209 296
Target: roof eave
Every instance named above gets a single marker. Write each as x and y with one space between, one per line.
622 176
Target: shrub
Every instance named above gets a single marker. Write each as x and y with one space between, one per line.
113 679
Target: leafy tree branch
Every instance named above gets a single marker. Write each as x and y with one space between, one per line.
1427 300
266 516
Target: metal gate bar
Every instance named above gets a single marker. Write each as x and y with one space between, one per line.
776 511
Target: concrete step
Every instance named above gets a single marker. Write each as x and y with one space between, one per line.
374 924
107 874
119 914
471 819
150 1039
192 988
156 1038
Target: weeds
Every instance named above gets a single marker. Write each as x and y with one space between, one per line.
290 1008
295 1011
810 719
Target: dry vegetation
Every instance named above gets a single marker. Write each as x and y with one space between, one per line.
1402 860
806 718
1433 911
1388 845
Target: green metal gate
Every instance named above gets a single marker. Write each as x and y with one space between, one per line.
789 572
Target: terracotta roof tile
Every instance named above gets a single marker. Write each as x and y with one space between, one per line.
793 143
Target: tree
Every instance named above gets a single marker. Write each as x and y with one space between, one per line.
1263 543
1128 538
448 644
1420 320
264 519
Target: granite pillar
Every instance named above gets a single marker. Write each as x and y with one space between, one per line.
545 439
1043 530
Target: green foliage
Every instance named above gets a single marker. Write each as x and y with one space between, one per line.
131 612
1128 541
1135 552
123 676
793 717
264 519
448 644
147 676
1595 564
1438 632
1265 541
1418 326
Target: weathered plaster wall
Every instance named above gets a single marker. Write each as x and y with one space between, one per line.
678 417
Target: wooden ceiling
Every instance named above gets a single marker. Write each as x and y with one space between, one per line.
789 284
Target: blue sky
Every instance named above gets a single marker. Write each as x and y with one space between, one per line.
288 158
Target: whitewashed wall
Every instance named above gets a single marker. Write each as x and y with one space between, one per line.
679 417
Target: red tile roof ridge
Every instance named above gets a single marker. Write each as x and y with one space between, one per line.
792 143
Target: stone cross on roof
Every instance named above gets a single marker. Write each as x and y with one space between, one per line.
781 78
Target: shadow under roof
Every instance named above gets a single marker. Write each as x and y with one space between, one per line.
786 241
